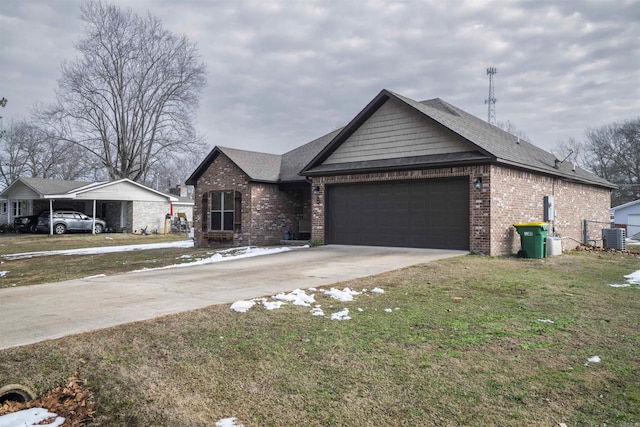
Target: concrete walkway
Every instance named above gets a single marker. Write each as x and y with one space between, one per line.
30 314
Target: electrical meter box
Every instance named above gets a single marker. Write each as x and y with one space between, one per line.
549 208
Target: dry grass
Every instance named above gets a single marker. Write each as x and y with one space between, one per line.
465 348
31 271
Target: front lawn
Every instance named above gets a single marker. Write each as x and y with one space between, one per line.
54 268
464 341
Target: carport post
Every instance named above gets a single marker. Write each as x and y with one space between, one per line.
50 217
93 223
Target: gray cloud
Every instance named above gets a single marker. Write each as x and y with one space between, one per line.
282 73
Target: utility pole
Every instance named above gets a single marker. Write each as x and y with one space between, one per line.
491 101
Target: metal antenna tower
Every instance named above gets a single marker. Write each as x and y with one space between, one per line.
491 101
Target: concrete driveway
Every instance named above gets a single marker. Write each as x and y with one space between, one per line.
30 314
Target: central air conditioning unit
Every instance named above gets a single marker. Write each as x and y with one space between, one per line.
614 238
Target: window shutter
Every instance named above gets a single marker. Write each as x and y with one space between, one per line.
205 210
237 211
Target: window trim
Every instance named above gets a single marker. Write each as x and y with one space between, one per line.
16 209
219 195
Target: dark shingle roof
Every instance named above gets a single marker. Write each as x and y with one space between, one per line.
295 160
265 167
258 166
47 187
492 145
497 145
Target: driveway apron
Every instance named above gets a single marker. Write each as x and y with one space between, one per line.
30 314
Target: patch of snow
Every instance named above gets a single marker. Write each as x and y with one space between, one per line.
297 297
228 422
103 250
388 310
30 418
273 305
344 295
633 278
341 315
593 359
317 311
546 321
3 273
377 291
229 254
94 277
242 306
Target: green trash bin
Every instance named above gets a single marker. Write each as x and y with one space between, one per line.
533 238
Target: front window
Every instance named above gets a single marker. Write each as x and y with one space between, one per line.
222 205
16 209
3 207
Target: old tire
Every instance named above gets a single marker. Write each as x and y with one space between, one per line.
16 393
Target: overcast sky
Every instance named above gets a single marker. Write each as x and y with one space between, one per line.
284 72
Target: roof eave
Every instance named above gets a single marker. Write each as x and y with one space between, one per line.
373 168
558 174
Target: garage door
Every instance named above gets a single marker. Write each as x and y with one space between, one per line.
421 214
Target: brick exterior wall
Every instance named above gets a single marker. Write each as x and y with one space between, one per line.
266 211
517 196
479 199
221 175
507 196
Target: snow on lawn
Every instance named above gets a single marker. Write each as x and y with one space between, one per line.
632 279
226 255
228 422
296 297
103 250
300 297
30 418
341 295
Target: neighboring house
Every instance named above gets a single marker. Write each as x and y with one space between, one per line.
182 209
124 204
4 211
401 173
627 216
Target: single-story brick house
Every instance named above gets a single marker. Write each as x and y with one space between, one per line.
124 204
401 173
627 216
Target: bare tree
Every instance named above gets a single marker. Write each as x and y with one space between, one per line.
572 150
27 150
613 152
131 97
513 130
12 154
